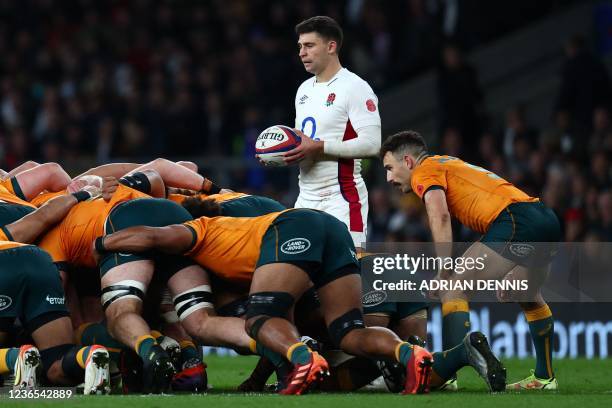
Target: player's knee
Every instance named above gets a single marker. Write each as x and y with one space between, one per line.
196 300
122 297
263 306
343 325
254 324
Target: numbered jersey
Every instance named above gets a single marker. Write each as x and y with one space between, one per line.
474 195
333 111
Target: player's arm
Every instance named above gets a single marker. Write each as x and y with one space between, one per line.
180 175
362 110
441 227
20 169
28 228
173 239
439 221
366 144
438 215
116 170
48 176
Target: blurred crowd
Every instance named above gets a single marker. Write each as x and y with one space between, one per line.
84 82
142 78
567 164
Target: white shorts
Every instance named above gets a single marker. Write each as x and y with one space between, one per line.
353 213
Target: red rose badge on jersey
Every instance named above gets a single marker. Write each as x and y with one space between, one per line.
330 99
419 189
370 105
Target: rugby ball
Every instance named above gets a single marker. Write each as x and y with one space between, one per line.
274 142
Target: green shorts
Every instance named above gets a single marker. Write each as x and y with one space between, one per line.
313 240
10 213
151 212
517 227
30 287
395 310
250 206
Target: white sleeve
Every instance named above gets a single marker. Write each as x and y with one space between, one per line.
366 144
362 106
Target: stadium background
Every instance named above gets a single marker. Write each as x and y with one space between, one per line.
519 87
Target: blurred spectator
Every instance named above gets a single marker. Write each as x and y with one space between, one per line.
605 212
585 82
517 128
459 95
564 136
601 138
85 82
601 175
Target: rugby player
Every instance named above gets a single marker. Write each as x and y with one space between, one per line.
504 215
280 255
336 114
126 276
32 291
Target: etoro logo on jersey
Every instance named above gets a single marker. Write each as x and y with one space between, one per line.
295 246
55 300
330 99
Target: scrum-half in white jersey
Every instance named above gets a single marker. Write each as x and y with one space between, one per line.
334 111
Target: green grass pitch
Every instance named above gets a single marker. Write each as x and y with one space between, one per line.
584 384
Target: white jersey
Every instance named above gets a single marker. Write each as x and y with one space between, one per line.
334 111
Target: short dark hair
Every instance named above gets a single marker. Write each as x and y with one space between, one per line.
406 141
325 26
201 207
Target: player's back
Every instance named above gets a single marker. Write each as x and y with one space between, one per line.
70 240
331 111
234 204
229 247
475 196
10 244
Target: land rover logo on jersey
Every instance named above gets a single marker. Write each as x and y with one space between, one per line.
5 302
521 250
373 298
295 246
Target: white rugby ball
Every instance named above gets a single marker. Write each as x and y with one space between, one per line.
274 142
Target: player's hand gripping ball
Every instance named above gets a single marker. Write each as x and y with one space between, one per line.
274 142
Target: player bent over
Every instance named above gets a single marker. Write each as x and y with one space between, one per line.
125 277
32 291
506 217
289 251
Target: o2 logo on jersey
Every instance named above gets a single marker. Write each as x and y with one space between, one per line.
5 302
295 246
313 127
